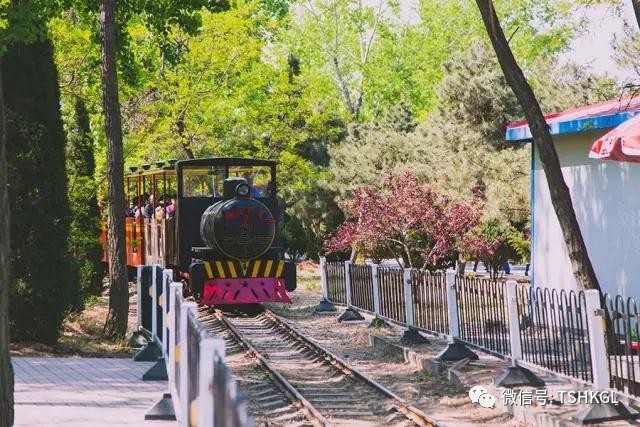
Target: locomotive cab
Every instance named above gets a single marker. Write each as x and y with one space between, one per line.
228 218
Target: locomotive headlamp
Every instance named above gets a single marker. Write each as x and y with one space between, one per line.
242 190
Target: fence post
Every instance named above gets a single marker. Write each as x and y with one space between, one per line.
376 289
452 304
167 278
325 304
376 322
408 297
158 372
152 351
139 300
514 375
154 303
410 336
209 347
599 358
600 412
164 409
323 278
174 323
347 282
183 362
456 350
350 313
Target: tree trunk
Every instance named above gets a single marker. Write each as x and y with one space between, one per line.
6 370
116 324
636 10
560 196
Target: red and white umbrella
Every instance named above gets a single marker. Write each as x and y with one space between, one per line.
621 144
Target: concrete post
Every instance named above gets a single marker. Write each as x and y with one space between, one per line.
411 336
184 360
452 305
154 303
350 314
209 347
456 350
514 375
174 323
347 282
408 297
595 319
323 278
139 302
325 305
597 413
514 321
376 289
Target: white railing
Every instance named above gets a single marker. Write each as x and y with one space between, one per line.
494 316
201 386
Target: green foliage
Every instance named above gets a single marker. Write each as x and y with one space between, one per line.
293 238
23 20
85 213
520 242
488 243
291 80
43 283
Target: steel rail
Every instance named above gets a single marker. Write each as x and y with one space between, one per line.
315 417
411 412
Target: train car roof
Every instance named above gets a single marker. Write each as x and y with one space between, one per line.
226 161
169 168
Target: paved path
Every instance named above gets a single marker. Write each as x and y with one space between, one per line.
85 392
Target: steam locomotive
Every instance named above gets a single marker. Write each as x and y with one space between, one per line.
221 236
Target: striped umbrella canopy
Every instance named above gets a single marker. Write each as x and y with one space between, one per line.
621 144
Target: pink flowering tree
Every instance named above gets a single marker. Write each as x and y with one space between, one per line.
489 243
407 221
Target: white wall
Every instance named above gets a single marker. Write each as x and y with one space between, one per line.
606 198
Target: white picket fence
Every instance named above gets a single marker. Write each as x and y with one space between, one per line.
468 307
202 389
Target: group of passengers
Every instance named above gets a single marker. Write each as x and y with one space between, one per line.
165 208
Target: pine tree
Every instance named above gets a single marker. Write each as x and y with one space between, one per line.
6 369
85 212
42 285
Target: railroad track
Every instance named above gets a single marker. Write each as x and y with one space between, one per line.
269 403
326 388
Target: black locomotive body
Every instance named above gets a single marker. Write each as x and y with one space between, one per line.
231 235
221 233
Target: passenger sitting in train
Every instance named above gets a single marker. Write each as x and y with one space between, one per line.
170 206
159 213
133 211
147 210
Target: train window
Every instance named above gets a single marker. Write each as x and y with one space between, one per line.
258 177
203 181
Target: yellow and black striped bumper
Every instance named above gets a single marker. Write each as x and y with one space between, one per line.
237 269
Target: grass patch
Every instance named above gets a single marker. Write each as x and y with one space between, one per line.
82 335
309 283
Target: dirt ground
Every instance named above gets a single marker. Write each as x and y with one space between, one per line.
82 335
446 402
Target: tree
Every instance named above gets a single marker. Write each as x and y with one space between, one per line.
116 323
636 10
42 271
406 220
293 238
6 369
488 242
85 212
345 34
560 196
